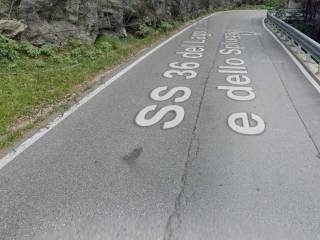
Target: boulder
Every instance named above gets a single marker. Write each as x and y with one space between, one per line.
11 28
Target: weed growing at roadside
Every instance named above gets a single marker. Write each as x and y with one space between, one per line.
9 49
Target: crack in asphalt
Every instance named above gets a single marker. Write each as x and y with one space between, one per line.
174 221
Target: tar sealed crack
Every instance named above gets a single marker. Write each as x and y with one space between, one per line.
174 222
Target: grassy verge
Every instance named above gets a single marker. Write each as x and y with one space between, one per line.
38 82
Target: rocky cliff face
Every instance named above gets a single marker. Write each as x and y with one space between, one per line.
54 21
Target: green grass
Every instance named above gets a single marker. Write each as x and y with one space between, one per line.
38 82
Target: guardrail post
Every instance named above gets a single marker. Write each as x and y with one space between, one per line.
299 49
308 58
285 37
280 34
292 41
275 28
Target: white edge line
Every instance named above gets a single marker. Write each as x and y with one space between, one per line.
294 59
43 131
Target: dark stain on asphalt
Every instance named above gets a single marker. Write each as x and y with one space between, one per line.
133 155
258 189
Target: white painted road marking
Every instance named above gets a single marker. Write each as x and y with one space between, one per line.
238 122
179 69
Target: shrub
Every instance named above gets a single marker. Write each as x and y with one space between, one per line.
105 46
47 50
166 27
64 59
89 53
143 31
76 52
56 59
75 43
29 49
106 39
98 51
276 4
9 49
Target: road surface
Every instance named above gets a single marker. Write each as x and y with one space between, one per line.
213 136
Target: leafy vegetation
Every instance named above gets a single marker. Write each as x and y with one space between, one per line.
13 50
276 4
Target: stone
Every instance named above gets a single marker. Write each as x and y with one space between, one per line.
12 28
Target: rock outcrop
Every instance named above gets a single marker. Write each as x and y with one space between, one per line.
54 21
12 28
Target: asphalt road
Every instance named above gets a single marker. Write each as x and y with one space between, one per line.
232 152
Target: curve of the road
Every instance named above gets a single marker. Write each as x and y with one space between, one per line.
212 135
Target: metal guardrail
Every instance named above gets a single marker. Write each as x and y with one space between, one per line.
294 37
